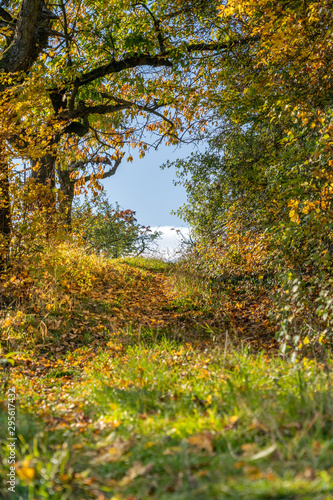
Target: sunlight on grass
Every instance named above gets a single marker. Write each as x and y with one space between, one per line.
165 420
127 390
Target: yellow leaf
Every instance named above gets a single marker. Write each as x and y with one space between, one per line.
249 448
26 473
77 446
172 451
138 469
264 453
202 441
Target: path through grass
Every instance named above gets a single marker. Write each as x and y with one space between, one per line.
154 410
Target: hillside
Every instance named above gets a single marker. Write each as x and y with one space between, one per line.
132 384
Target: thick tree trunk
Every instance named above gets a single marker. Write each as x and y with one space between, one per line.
43 173
67 189
5 214
43 170
30 37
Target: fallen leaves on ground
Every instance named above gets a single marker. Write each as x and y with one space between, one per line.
202 441
124 373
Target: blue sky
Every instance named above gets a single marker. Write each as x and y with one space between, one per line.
148 190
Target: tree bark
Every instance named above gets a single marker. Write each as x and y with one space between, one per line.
5 214
67 188
43 170
30 37
43 173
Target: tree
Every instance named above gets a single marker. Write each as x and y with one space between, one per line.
25 31
271 174
106 72
276 143
109 229
287 81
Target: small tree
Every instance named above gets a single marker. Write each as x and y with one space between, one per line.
108 229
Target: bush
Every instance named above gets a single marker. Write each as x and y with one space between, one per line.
108 229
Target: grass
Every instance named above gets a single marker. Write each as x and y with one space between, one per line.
162 409
159 419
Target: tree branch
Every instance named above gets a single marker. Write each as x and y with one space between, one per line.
100 109
109 173
126 63
5 15
157 25
138 106
82 111
149 60
146 108
146 60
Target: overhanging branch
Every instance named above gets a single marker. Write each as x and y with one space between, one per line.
107 174
126 63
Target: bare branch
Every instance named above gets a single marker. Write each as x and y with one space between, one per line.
107 174
57 33
139 106
157 25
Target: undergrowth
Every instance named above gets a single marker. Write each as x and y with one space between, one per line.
257 302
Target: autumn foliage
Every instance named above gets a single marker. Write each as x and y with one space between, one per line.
117 369
134 378
260 198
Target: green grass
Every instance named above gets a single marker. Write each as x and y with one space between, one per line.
126 390
149 264
150 418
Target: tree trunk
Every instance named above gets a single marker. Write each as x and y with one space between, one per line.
67 188
43 173
5 214
43 170
31 33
